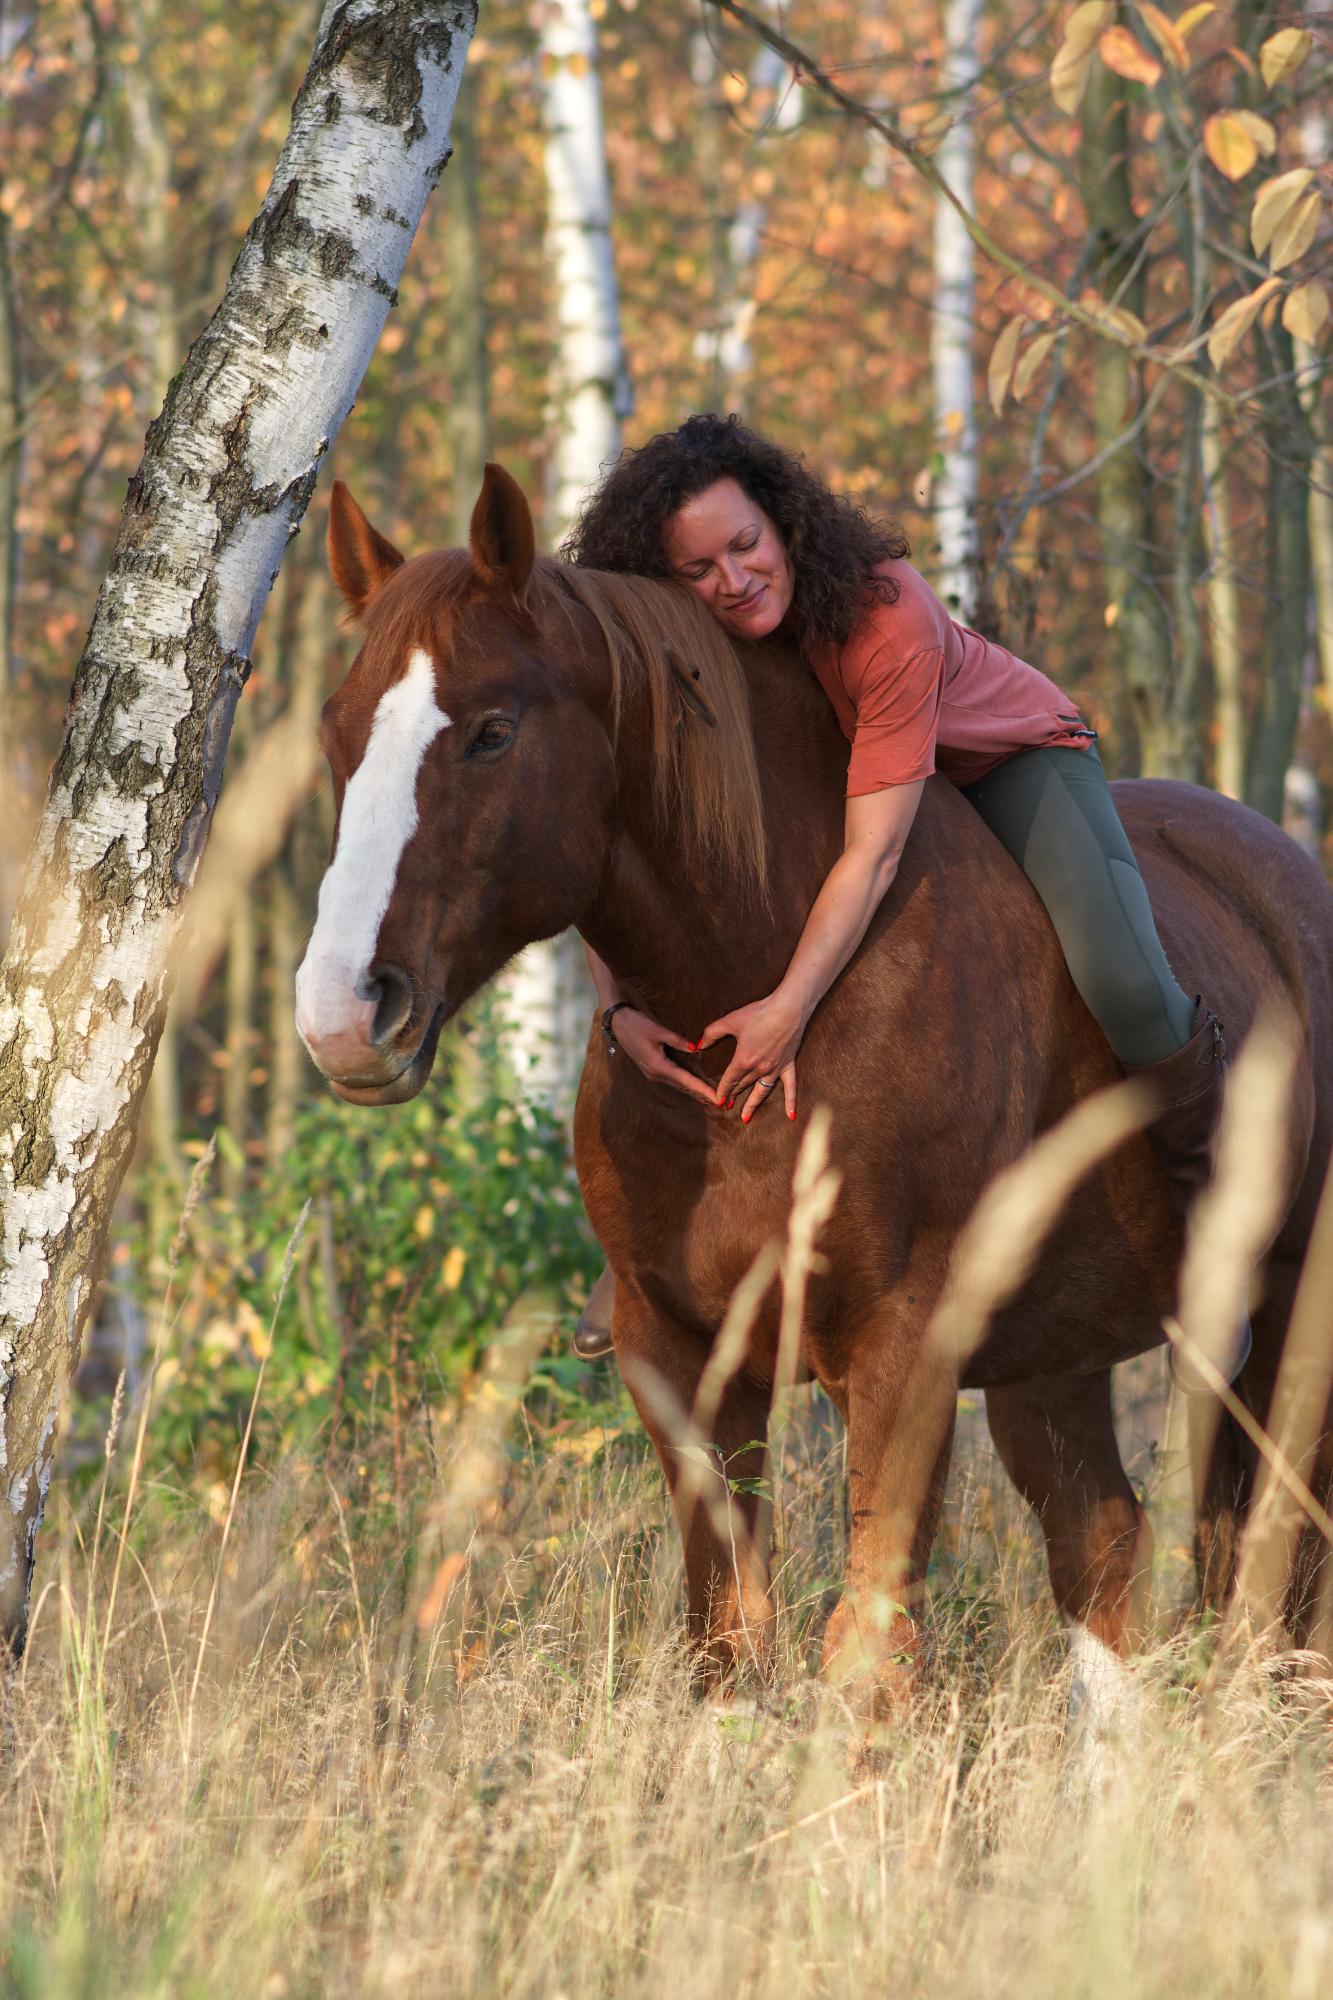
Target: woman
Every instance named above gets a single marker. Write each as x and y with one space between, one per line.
766 546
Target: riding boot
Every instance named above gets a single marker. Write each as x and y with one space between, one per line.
592 1335
1189 1089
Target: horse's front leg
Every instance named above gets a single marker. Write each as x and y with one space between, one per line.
714 1465
900 1403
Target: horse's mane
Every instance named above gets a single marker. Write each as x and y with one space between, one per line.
705 778
659 639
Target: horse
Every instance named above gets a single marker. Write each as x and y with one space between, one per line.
522 746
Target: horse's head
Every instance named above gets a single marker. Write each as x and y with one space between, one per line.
473 795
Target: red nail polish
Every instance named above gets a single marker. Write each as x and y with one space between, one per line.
791 1114
745 1118
730 1103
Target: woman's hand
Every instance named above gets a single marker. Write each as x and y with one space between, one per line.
768 1033
646 1041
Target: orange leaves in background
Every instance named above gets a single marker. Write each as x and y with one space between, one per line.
1128 57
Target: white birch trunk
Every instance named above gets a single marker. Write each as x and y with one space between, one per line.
951 361
728 345
590 391
227 473
546 996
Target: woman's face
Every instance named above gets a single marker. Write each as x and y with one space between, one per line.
732 556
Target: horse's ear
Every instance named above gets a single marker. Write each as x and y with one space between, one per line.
501 540
359 556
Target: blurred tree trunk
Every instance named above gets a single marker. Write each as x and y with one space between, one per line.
954 494
1139 631
285 1054
227 473
773 95
1304 816
11 425
242 971
465 358
1286 581
546 994
148 171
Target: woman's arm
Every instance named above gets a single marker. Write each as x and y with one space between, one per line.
644 1040
769 1031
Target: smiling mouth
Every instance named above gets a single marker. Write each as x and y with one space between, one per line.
748 603
406 1082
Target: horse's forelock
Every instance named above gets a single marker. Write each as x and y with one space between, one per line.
708 777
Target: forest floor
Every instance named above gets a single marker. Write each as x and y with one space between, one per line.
260 1754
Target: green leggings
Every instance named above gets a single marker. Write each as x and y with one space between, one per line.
1054 812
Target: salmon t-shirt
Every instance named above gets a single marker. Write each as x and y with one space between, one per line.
916 692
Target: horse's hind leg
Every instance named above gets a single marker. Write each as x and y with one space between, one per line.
1056 1440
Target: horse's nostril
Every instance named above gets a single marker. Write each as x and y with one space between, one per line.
391 991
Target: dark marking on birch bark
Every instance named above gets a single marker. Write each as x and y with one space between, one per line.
214 738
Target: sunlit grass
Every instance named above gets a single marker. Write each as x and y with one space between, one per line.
520 1794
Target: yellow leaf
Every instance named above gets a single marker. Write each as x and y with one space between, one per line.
1069 71
1085 24
1069 80
1272 202
1229 145
1283 53
1119 318
1127 57
1111 615
1191 18
1001 371
451 1276
1167 35
735 88
1259 129
424 1221
1030 361
578 64
1295 233
1230 327
1304 312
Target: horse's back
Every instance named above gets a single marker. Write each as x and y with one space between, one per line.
1246 918
1215 868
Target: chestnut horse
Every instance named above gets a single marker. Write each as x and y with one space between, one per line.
520 747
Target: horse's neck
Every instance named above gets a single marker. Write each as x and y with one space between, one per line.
689 942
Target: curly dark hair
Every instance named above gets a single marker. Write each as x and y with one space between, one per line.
833 545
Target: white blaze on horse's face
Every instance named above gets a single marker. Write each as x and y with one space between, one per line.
335 1009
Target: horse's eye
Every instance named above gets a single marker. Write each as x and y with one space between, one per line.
494 733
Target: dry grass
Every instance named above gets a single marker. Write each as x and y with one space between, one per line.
522 1796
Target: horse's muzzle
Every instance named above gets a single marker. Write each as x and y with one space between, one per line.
380 1076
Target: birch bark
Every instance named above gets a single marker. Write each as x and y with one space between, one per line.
955 491
228 469
727 347
546 994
